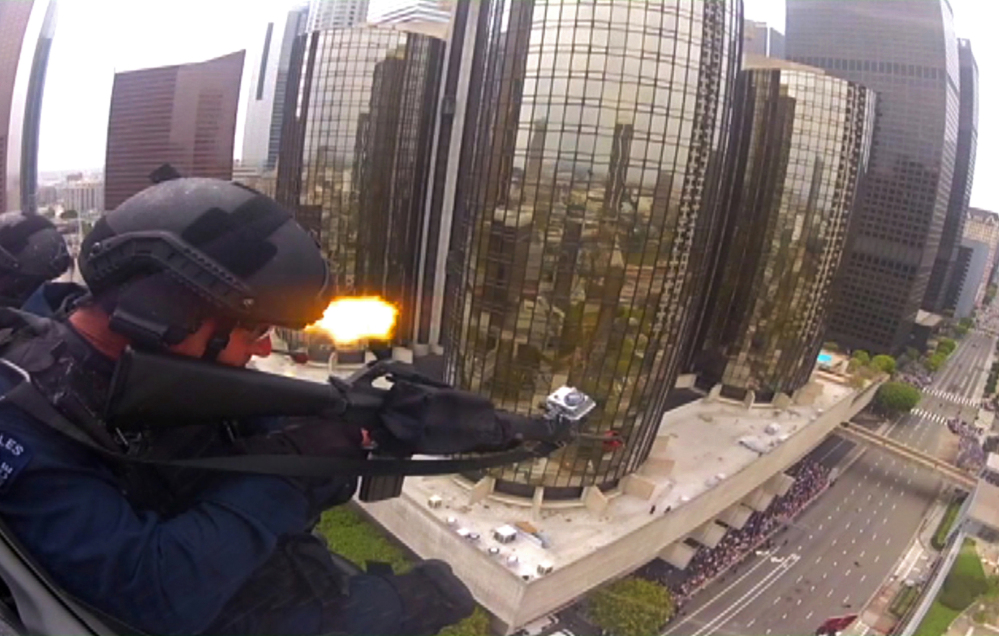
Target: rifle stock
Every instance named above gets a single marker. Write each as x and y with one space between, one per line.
155 390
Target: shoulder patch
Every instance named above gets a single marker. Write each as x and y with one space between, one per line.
14 456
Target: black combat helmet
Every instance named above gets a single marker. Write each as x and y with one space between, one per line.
31 252
188 249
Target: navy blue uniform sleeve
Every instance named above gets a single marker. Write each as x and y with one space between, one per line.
160 575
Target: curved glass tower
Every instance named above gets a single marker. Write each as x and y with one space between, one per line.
26 31
802 142
355 154
585 211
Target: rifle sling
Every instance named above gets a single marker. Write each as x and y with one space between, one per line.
28 398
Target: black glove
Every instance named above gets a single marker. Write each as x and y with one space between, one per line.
421 419
432 598
312 436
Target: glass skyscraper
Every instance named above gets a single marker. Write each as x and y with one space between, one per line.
586 210
26 31
907 53
355 154
944 285
801 143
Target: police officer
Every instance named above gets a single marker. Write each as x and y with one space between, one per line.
32 251
199 268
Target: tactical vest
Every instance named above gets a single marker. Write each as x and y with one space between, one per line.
74 379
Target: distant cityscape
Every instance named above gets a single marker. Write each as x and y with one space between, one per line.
693 217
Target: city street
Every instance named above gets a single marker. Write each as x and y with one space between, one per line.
841 549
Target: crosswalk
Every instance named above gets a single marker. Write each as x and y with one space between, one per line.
927 415
950 397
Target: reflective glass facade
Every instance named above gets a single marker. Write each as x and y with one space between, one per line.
907 53
26 31
587 204
802 143
947 286
355 161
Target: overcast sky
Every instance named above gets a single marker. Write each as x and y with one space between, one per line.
95 38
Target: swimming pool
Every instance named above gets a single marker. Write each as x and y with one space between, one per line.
825 358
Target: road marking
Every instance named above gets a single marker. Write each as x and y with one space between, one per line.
794 558
834 541
824 575
848 571
784 617
798 580
820 526
809 615
768 631
854 540
750 623
811 589
776 600
862 553
809 537
893 506
847 523
829 518
862 577
877 557
743 601
818 559
829 593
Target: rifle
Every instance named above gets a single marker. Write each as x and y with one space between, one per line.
156 390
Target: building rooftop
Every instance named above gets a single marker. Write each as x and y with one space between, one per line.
707 442
985 504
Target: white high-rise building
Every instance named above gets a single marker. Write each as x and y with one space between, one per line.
403 11
336 14
265 105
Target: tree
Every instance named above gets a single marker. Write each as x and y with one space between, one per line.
631 607
830 346
935 361
946 346
898 397
475 625
884 363
861 357
69 214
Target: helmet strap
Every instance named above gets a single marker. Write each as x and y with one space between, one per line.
219 340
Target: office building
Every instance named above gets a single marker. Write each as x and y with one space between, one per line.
26 31
587 202
82 195
265 105
406 11
907 53
356 151
936 299
336 14
802 142
971 268
760 39
182 115
982 226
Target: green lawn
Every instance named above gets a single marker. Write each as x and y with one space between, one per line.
350 535
937 620
964 583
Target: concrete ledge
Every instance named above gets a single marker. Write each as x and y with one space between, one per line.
596 502
678 555
736 516
639 486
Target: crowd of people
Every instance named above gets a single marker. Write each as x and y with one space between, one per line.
970 453
810 479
